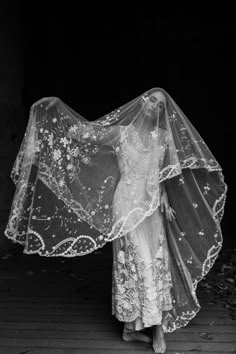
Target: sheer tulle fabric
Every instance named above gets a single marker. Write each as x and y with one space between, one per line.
75 178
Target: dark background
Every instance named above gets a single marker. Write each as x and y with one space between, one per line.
97 59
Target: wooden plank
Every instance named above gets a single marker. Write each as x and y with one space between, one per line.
85 313
107 344
98 327
56 334
79 318
105 312
74 301
106 326
75 296
55 297
197 328
103 299
71 343
33 289
78 298
48 304
25 304
30 350
115 335
67 300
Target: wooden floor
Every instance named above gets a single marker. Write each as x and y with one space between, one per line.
63 306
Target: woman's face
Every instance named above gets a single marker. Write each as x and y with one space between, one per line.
155 104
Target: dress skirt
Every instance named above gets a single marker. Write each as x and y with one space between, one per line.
141 278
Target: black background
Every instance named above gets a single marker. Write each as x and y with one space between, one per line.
98 58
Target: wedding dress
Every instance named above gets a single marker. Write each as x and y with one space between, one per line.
141 274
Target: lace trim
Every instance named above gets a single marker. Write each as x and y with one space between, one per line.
140 289
125 300
180 321
10 231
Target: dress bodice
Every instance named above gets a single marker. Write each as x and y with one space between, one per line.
133 157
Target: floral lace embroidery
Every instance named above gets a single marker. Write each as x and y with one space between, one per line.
140 289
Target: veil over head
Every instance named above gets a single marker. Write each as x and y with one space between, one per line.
68 171
68 168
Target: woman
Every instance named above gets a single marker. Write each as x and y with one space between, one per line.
141 177
141 286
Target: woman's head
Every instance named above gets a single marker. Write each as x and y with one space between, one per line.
155 101
155 106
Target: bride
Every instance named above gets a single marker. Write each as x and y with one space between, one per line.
141 177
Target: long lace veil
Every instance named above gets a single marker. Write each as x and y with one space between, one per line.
67 171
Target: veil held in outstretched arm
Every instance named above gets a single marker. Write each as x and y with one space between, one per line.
67 171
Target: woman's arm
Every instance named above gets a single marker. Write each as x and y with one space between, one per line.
165 204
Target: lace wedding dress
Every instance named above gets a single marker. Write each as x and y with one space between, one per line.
141 274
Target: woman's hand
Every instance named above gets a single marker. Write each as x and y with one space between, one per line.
50 100
165 207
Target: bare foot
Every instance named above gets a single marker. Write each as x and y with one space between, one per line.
136 336
159 343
